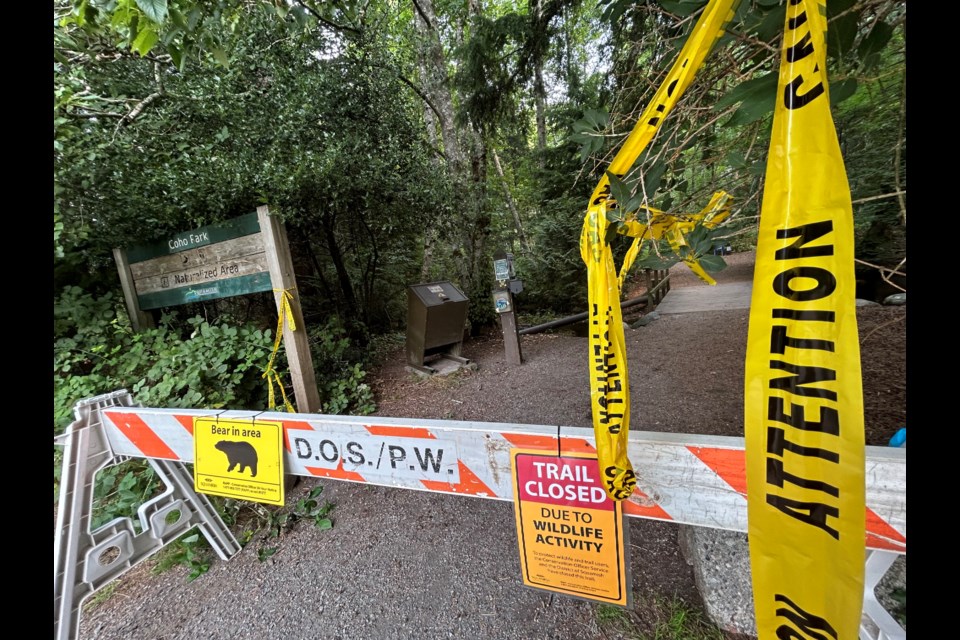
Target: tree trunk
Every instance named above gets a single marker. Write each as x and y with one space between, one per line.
510 203
433 69
430 120
539 93
343 276
467 245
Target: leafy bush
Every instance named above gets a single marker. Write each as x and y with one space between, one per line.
340 370
177 364
191 363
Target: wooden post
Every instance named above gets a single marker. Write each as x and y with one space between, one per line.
295 342
139 318
511 336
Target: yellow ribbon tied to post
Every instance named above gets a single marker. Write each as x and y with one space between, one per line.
609 380
271 374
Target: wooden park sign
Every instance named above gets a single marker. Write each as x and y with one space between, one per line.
244 255
216 261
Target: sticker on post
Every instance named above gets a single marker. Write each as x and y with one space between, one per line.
240 459
569 530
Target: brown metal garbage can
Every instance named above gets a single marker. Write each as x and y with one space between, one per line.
436 317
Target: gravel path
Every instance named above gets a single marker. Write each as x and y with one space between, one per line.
405 564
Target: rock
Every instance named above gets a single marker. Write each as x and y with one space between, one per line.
645 320
721 568
896 299
866 303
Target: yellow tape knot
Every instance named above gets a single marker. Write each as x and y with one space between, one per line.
271 374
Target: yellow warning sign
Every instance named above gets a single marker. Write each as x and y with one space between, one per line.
569 530
240 459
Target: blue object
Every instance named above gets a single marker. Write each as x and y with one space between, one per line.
899 439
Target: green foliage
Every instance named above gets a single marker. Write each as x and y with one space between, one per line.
311 509
191 551
608 613
119 491
275 523
341 375
100 597
677 621
193 364
588 132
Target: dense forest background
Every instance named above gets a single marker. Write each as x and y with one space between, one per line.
404 142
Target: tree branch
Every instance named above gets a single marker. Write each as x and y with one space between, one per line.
894 194
329 23
140 106
426 20
420 93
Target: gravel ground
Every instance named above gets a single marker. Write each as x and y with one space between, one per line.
406 564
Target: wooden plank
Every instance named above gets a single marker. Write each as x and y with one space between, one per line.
201 237
203 275
184 261
296 342
138 319
250 283
511 339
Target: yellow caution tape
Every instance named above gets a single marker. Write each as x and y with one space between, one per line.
673 227
271 374
803 397
609 382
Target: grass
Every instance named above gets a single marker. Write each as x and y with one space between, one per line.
100 596
610 614
661 619
682 623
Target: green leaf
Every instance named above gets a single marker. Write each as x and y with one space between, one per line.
772 24
176 55
620 191
145 41
755 89
683 8
156 10
871 46
752 111
840 91
178 19
653 177
712 263
221 56
598 119
653 262
841 31
736 159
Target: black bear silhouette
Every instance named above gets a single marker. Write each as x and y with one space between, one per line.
239 453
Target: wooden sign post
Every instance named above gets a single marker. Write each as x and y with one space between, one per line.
244 255
506 286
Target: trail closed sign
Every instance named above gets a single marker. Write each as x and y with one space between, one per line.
569 530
